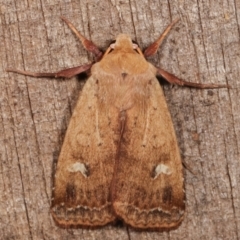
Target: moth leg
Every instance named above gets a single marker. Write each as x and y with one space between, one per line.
175 80
186 166
66 73
88 45
152 49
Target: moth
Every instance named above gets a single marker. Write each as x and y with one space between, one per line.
120 157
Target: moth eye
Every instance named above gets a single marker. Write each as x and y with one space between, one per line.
113 41
112 44
135 45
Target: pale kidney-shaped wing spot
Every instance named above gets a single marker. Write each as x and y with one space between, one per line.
79 167
161 169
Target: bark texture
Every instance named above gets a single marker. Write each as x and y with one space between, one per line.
203 47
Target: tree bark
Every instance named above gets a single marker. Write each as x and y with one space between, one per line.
203 47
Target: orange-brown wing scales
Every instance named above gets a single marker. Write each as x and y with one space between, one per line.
148 182
81 196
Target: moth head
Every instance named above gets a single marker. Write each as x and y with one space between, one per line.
123 41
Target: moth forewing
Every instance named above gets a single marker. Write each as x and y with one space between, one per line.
81 195
148 179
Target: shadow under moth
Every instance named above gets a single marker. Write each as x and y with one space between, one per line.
120 158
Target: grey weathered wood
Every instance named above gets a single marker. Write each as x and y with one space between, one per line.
204 47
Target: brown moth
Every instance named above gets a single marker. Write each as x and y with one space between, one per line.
120 157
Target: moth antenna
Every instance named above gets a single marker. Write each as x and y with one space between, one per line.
175 80
66 73
152 49
88 45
